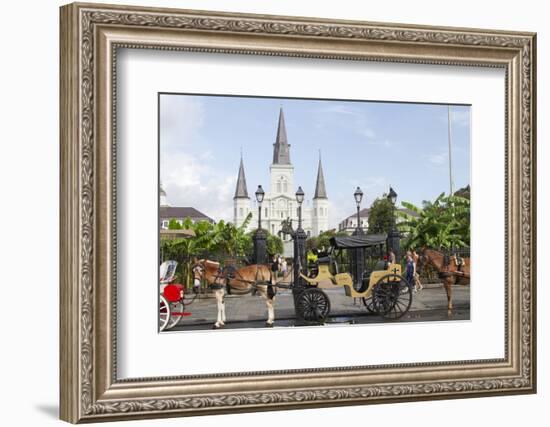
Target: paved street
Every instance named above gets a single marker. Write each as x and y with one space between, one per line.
248 311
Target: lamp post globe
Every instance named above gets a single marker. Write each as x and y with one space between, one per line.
300 195
392 196
300 199
358 195
260 194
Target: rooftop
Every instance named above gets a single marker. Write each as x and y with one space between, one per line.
168 212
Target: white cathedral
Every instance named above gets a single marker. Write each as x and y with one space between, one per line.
280 200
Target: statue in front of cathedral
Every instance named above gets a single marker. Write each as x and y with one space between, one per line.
286 228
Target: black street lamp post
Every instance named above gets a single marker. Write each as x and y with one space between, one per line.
299 242
358 195
358 259
300 237
394 236
260 236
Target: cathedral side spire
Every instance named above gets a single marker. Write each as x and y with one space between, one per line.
241 191
320 190
281 148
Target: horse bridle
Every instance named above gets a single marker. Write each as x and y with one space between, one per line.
199 269
421 262
202 268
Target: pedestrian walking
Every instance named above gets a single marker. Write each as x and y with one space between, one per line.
284 267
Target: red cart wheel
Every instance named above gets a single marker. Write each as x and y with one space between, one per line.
176 314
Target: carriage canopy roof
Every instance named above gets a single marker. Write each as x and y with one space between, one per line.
352 242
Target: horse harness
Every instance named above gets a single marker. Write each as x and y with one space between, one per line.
228 273
447 263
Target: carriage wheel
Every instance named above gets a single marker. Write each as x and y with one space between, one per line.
369 304
313 305
392 297
164 313
175 307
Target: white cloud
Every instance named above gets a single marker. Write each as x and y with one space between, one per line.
355 120
367 133
340 109
189 181
181 119
186 177
438 159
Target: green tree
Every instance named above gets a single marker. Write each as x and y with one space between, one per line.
322 240
441 224
234 240
183 250
274 245
174 224
312 243
463 192
380 216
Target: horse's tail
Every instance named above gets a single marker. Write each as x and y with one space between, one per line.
272 286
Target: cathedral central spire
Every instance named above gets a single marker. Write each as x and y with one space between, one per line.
281 148
320 190
241 192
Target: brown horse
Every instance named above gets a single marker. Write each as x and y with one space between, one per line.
238 281
451 269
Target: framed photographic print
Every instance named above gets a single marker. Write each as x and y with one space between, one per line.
306 212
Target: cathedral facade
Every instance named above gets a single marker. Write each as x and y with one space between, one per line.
280 200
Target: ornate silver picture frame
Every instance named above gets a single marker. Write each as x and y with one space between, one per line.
91 36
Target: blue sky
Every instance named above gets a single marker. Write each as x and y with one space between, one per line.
368 144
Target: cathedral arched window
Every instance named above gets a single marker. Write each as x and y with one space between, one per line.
278 186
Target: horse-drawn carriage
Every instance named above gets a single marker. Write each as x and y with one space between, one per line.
382 288
172 297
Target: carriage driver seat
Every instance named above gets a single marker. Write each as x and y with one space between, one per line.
381 265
